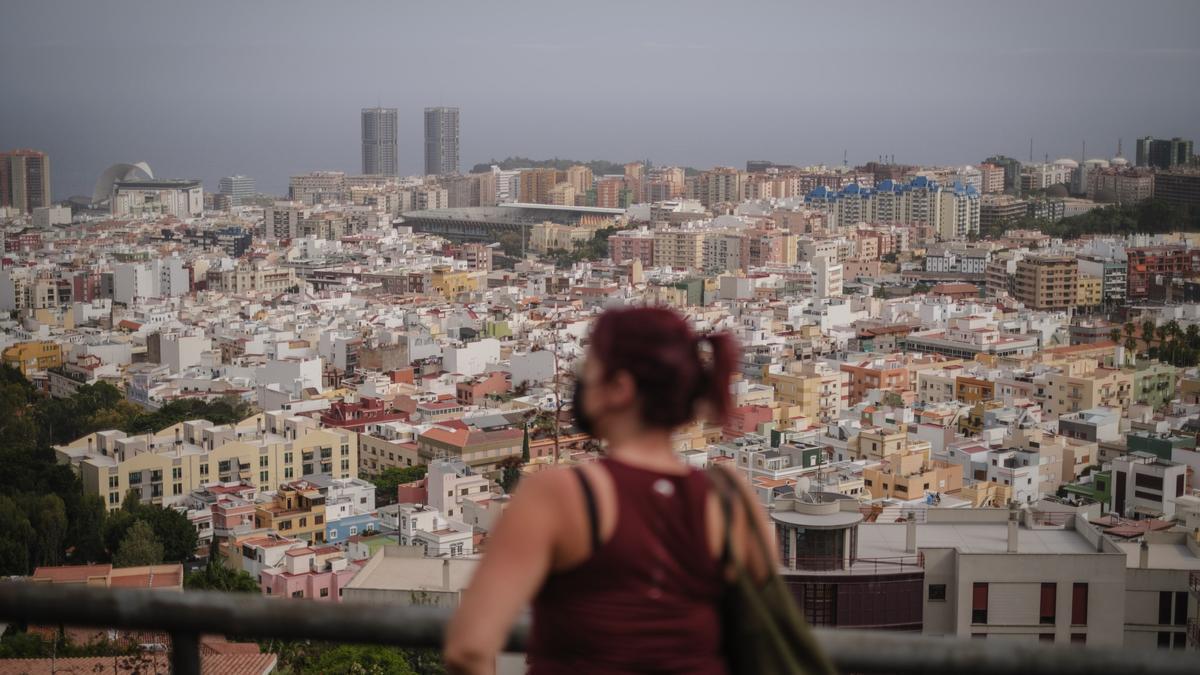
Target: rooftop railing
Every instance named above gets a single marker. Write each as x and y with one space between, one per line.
187 616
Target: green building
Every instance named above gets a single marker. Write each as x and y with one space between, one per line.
1099 489
1153 383
1159 445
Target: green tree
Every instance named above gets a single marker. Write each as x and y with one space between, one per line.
50 524
86 533
216 577
139 547
16 538
510 473
389 479
362 660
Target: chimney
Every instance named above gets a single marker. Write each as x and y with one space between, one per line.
1144 555
910 538
1012 527
446 574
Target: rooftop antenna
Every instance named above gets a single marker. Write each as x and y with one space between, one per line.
844 155
1031 149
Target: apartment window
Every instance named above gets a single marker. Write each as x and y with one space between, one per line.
353 530
318 520
203 469
307 468
289 472
263 476
1049 598
456 549
324 592
176 473
156 476
1079 605
979 603
285 525
263 461
223 466
326 453
304 522
345 465
287 458
177 489
333 534
298 594
113 481
345 450
114 498
937 592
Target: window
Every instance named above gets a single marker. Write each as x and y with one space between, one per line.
345 450
333 534
304 522
113 482
463 491
289 472
318 520
324 592
1079 605
287 458
345 465
177 489
298 594
176 473
979 603
353 530
1049 600
223 466
114 498
263 461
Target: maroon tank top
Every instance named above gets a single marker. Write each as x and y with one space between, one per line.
647 600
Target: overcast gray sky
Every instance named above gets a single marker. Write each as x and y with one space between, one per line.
206 89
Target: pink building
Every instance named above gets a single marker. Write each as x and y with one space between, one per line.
631 245
317 573
744 420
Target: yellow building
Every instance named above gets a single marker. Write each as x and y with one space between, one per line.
1089 291
1083 384
679 248
547 236
812 386
580 177
266 450
563 194
298 512
910 476
29 357
450 283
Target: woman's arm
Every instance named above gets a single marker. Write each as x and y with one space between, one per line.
519 555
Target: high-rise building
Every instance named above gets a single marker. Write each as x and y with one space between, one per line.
379 141
24 179
1012 171
236 188
441 141
1047 283
536 184
1161 153
1179 186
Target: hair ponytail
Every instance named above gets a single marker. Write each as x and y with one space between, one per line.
713 393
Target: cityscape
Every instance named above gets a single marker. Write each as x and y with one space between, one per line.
967 395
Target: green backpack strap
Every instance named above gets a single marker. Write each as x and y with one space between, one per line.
793 644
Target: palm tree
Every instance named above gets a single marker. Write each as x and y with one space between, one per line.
1115 335
1147 332
1130 349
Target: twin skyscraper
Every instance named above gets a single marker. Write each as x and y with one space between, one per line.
379 131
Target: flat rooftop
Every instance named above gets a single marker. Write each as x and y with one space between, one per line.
884 540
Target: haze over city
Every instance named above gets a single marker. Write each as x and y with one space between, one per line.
269 89
561 338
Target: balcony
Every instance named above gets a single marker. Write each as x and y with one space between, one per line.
187 616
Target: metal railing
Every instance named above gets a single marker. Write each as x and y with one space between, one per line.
187 616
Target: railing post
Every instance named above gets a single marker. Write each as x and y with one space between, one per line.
185 654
